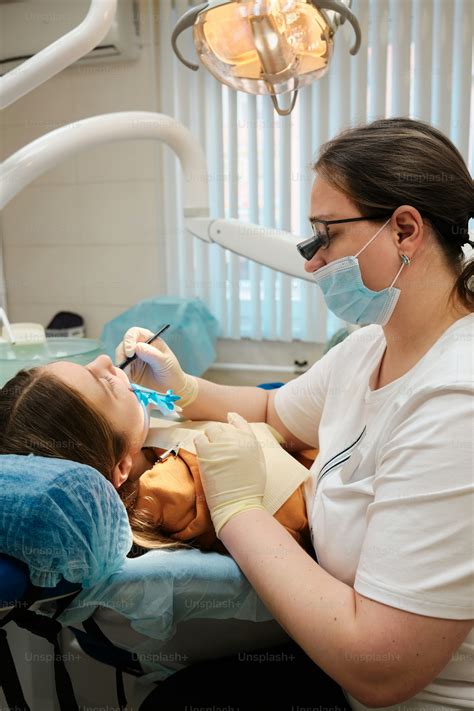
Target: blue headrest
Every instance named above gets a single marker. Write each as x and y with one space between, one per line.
61 518
14 579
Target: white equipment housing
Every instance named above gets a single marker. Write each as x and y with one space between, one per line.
33 26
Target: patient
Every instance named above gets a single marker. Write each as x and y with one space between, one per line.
90 415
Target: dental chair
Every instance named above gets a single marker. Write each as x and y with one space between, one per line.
113 620
17 596
63 529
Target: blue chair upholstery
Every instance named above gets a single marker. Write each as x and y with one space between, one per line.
270 386
15 580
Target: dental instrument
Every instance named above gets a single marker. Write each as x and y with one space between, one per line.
173 450
164 402
129 360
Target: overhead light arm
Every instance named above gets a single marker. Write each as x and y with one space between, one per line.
271 247
45 152
185 22
345 14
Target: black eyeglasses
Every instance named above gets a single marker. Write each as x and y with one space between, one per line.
321 236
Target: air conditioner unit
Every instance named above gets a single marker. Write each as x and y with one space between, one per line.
27 26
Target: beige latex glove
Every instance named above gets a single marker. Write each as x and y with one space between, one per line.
156 366
232 469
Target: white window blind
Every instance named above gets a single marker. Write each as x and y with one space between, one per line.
415 60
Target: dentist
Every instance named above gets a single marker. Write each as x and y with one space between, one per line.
382 615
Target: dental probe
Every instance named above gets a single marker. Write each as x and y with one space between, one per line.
128 360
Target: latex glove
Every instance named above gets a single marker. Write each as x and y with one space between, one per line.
232 469
156 366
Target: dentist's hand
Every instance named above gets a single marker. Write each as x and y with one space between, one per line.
155 366
232 469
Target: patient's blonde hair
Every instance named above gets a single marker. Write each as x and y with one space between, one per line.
40 414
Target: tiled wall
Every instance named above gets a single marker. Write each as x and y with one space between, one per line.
73 239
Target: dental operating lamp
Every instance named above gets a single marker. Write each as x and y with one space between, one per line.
266 46
270 247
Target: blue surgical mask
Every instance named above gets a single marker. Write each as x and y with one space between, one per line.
347 296
152 400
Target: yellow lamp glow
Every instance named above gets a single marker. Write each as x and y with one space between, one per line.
266 46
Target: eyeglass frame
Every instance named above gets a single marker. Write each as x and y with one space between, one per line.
311 245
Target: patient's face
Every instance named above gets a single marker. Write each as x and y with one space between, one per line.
108 388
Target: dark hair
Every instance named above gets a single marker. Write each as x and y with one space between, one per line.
40 414
398 161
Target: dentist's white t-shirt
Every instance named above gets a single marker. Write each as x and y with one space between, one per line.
390 500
